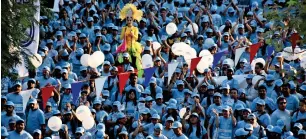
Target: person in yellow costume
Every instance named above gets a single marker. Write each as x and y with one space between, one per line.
130 34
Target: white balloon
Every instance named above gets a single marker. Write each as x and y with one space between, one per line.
147 61
98 58
156 45
85 58
36 60
209 42
82 112
261 60
196 28
171 28
189 54
206 60
182 112
88 122
179 48
55 123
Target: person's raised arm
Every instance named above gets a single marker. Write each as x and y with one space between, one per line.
257 83
216 118
234 121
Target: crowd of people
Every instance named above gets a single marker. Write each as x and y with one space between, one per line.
194 104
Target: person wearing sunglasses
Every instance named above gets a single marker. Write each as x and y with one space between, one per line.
281 113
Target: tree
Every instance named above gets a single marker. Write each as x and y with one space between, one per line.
17 17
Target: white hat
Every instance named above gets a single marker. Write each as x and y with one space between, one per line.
177 124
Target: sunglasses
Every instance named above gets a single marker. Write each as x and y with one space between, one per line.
281 103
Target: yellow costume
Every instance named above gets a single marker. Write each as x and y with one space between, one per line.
130 34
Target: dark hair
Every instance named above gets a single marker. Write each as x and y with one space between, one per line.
260 65
199 128
262 87
128 99
280 99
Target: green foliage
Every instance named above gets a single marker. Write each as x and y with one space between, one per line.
296 12
15 19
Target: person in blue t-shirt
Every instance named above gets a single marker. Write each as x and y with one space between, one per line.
225 123
35 117
19 133
17 99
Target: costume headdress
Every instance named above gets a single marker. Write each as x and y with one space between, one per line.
130 10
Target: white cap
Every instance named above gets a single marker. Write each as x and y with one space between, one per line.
177 124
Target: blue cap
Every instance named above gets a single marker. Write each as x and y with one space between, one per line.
96 15
213 8
65 53
292 85
115 28
225 86
184 35
180 82
277 129
98 34
49 41
59 33
279 82
46 68
56 112
3 97
62 28
250 13
149 39
250 76
120 115
9 103
83 68
79 52
78 31
17 83
217 94
209 30
302 132
230 10
261 102
106 47
67 86
97 101
240 26
97 28
261 30
269 77
82 35
45 48
89 19
210 87
33 100
241 132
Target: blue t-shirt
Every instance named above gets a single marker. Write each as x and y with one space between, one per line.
35 119
17 100
22 135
